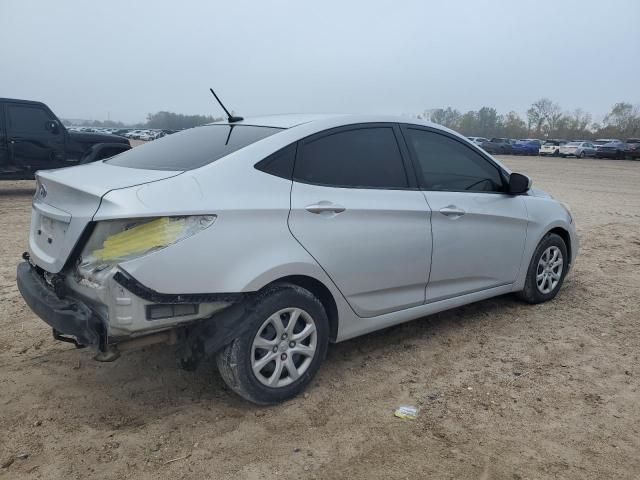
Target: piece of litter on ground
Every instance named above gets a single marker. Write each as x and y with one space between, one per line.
176 459
406 412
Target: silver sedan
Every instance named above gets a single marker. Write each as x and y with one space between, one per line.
578 149
261 241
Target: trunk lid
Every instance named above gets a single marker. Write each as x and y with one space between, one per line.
66 201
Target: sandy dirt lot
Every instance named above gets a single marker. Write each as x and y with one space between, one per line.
505 390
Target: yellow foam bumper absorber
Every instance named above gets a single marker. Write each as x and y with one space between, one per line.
157 233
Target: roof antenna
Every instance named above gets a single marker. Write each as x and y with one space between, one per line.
230 118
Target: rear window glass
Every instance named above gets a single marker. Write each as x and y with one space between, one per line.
192 148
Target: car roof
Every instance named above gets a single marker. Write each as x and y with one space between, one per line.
291 120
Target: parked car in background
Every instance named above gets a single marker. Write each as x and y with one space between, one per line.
478 140
32 138
146 136
551 147
578 149
610 148
633 147
527 146
328 238
498 146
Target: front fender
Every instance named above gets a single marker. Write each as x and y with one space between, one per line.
545 214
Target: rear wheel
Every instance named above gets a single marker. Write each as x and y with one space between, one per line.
547 270
282 348
582 154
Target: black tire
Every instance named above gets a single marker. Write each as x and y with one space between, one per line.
556 153
531 293
582 154
234 360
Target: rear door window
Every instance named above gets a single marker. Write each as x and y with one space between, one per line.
363 157
27 119
192 148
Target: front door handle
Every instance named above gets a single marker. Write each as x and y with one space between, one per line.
324 206
452 211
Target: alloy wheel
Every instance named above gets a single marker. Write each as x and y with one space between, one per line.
549 270
284 347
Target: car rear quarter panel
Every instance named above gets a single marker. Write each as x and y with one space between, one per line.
248 246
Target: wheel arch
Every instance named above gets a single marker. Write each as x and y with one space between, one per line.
566 237
322 293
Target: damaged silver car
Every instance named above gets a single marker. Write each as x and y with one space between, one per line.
261 241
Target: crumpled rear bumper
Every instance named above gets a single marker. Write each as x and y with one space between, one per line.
68 316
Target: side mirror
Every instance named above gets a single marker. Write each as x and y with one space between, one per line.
52 126
519 184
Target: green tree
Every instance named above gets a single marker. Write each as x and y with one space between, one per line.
624 119
543 116
448 117
513 126
176 121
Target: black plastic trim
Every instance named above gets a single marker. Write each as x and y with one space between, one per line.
146 293
67 316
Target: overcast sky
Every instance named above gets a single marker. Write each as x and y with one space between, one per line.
111 58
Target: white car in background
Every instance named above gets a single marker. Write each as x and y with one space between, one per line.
478 140
578 149
551 147
147 136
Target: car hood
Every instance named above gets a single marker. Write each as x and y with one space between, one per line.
537 192
90 137
66 201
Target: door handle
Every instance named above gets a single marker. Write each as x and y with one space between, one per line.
452 211
324 207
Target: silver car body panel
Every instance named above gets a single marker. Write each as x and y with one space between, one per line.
66 200
378 258
377 250
478 249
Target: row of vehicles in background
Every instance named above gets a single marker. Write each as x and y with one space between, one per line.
600 148
130 133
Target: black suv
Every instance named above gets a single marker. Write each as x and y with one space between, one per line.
32 138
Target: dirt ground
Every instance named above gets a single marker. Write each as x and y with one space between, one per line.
505 390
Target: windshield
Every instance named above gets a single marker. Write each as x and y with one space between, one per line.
573 144
602 141
551 143
192 148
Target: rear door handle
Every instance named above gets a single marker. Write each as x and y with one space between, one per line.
324 207
452 211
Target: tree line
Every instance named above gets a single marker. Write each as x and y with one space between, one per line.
159 120
544 119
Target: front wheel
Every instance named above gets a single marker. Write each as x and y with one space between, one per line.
546 271
582 155
282 348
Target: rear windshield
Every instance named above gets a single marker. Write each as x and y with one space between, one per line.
192 148
574 144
